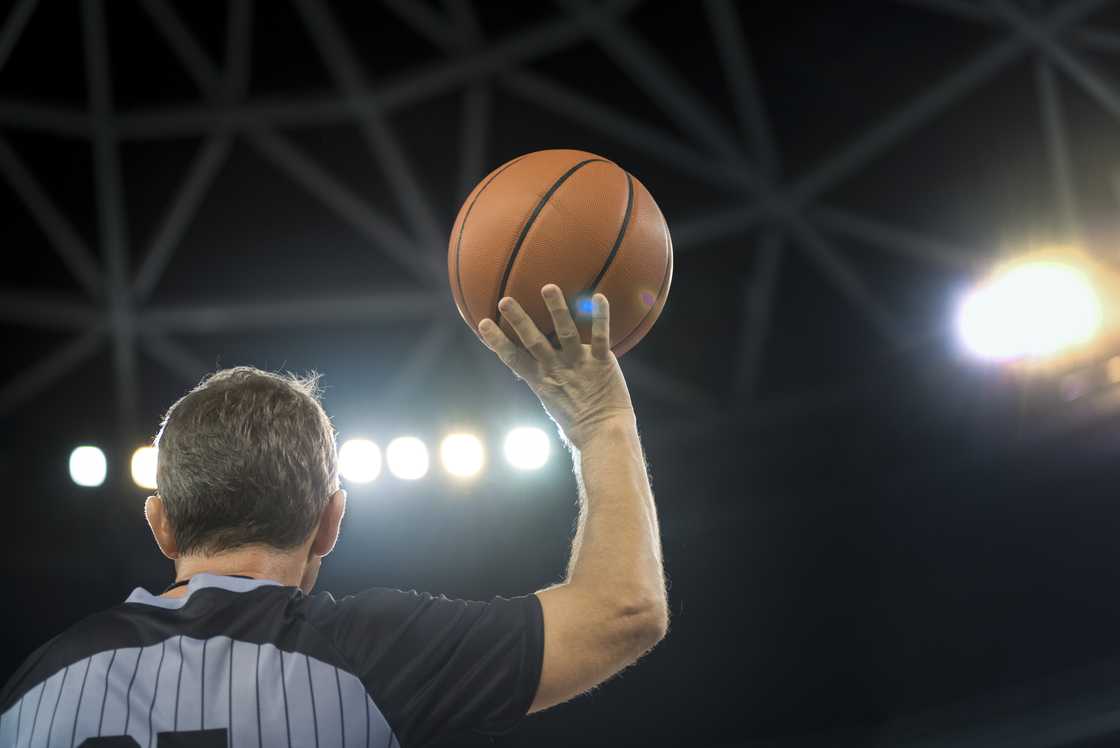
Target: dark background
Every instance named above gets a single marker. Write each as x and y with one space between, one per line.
877 542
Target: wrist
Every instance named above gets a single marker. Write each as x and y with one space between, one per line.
609 425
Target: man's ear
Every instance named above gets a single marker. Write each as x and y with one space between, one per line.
326 535
156 515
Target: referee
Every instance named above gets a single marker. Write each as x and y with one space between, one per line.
239 652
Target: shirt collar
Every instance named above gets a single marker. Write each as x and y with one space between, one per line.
198 582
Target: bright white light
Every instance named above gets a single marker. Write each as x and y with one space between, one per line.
88 466
461 454
359 460
1035 309
527 448
407 457
1113 369
143 467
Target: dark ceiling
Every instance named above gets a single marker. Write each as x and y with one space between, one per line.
860 526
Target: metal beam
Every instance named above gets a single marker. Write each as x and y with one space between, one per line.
847 281
935 100
573 104
48 311
689 234
431 24
739 72
890 130
478 100
208 161
1057 147
44 373
956 8
63 238
894 239
757 303
1100 40
656 144
183 44
668 89
379 137
320 109
110 212
47 118
464 18
370 222
477 106
389 307
917 112
1103 91
13 27
239 48
274 147
174 357
461 37
212 155
417 365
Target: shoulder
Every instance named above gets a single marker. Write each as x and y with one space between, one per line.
95 633
378 607
259 615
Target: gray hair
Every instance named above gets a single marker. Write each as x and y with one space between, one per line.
246 457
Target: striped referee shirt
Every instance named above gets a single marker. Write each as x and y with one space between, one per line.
250 662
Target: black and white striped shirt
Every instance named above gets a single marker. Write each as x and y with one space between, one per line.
249 662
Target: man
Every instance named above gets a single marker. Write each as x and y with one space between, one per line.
239 652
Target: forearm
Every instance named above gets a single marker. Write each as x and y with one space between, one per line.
617 548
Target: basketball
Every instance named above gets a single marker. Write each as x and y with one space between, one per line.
566 217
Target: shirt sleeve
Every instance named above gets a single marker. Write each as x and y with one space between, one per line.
436 666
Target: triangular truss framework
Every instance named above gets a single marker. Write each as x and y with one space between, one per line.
742 159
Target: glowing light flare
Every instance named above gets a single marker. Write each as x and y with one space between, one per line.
88 466
462 454
1112 368
359 460
1034 309
143 467
527 448
407 457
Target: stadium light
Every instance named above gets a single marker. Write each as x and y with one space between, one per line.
527 448
88 466
1032 310
143 467
407 457
462 454
359 460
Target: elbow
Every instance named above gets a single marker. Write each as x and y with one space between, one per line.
657 628
648 622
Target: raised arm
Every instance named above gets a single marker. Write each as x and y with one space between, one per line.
612 606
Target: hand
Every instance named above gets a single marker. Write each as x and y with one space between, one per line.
580 386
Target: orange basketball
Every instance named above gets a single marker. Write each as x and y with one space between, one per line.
570 218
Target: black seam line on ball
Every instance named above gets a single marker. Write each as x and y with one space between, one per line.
463 226
529 224
621 233
660 289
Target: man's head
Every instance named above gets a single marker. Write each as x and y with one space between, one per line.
246 459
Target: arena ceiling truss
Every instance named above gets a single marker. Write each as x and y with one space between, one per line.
780 211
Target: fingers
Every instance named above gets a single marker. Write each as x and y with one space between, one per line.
562 322
600 327
527 331
497 341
